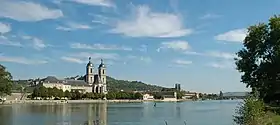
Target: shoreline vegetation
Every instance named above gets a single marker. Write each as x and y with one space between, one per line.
83 101
258 61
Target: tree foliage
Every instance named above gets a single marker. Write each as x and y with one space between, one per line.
117 85
259 59
50 93
252 112
5 81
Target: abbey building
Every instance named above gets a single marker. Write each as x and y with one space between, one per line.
92 81
98 80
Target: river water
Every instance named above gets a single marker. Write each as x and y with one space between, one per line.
174 113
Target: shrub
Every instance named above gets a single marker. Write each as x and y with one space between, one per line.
251 112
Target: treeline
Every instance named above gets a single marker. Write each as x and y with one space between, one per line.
112 85
54 93
125 85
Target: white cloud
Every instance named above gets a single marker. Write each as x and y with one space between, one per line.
73 26
57 1
36 43
237 35
143 48
72 59
27 11
131 57
5 41
226 59
100 19
151 24
193 53
223 55
99 47
4 28
111 56
105 3
222 65
216 54
21 60
82 57
182 62
146 59
210 16
175 45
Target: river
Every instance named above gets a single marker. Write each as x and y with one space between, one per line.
174 113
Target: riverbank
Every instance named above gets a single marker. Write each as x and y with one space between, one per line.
80 101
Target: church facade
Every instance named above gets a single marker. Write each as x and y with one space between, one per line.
93 81
98 80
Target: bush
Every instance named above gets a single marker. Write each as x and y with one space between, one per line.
252 112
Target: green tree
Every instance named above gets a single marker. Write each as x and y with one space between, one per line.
111 95
43 92
35 93
259 59
158 95
60 93
76 95
67 94
179 95
5 81
138 95
252 112
51 92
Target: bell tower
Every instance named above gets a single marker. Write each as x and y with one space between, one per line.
89 72
102 72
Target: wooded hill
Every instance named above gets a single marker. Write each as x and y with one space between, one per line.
112 85
117 85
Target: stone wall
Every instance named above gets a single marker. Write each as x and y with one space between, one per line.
16 96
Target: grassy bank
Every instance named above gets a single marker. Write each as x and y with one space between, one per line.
254 111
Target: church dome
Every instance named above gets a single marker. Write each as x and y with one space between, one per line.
101 65
89 62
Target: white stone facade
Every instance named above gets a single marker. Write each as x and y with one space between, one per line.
95 83
148 97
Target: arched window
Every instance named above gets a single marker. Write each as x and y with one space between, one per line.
103 72
90 70
96 89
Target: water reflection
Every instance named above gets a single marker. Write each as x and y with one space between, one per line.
97 114
178 111
65 114
6 116
119 114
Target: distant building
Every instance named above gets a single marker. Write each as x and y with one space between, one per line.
169 96
148 97
95 83
190 95
178 87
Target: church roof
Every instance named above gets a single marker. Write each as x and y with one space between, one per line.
51 79
97 79
76 83
89 62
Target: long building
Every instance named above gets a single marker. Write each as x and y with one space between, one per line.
93 82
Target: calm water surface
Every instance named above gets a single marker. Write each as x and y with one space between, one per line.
194 113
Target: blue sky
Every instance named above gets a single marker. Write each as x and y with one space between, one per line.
163 42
